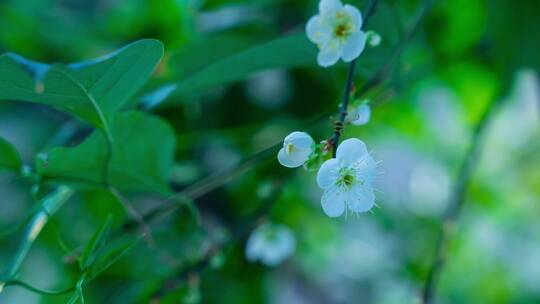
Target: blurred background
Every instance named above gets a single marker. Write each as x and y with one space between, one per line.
465 55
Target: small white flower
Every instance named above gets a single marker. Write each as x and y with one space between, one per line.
359 116
373 38
347 179
297 147
270 244
337 31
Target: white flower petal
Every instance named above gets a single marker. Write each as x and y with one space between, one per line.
361 198
300 140
355 15
271 258
304 153
254 247
302 147
350 151
291 160
282 246
333 202
271 244
365 168
317 30
354 46
329 53
363 114
288 242
329 5
328 173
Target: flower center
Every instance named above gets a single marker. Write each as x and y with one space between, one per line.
289 148
341 30
347 178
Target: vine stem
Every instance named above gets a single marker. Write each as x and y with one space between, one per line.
108 159
199 189
456 203
38 290
136 216
48 207
344 106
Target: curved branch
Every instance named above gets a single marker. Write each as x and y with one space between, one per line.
240 233
48 207
39 290
348 87
456 203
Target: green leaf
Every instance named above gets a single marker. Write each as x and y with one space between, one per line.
97 242
284 52
142 156
91 90
9 157
197 55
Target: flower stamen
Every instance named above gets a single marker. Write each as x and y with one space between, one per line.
346 179
289 148
341 31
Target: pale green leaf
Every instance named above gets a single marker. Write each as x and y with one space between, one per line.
9 157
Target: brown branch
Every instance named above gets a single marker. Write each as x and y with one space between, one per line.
348 88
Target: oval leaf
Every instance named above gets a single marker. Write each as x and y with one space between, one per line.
142 156
284 52
91 90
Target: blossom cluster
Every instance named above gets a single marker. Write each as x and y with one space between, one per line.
347 179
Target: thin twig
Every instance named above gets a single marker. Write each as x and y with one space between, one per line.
135 215
240 233
108 160
343 108
412 29
348 87
197 190
456 203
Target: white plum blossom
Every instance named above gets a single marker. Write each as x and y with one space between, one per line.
270 244
297 147
360 115
337 31
347 179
